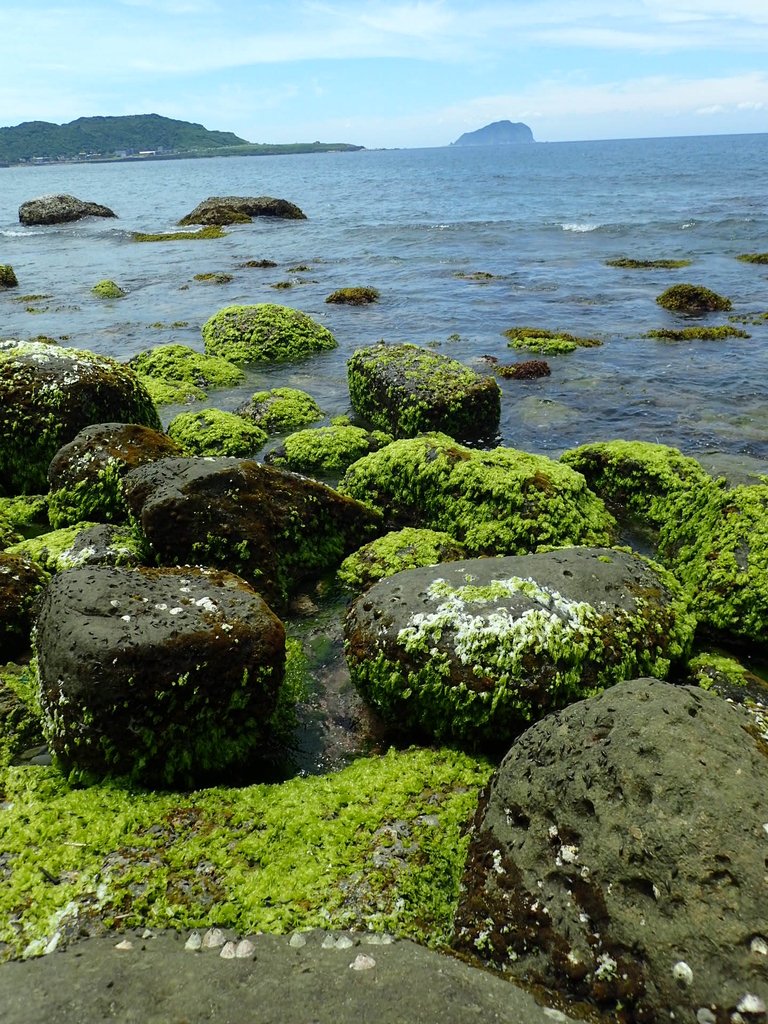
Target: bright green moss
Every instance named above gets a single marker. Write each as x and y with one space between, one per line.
54 550
545 342
214 432
282 409
20 713
179 236
108 290
262 858
326 451
698 333
753 257
27 513
99 498
8 277
264 333
395 551
353 296
216 277
708 670
177 373
692 299
627 263
494 502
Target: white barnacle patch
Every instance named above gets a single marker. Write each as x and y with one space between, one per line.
161 607
206 604
175 611
759 945
497 865
751 1003
606 967
125 618
567 855
682 973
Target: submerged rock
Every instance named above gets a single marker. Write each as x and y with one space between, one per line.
264 333
60 209
618 856
240 209
177 373
477 649
407 390
8 277
281 409
166 676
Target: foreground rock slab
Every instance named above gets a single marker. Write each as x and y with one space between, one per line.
619 856
334 978
60 209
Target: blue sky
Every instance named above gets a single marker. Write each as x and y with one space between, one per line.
409 73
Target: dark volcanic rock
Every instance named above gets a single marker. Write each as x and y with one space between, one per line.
21 581
477 649
620 856
59 209
168 676
236 209
271 527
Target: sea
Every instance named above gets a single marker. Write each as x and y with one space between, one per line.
462 243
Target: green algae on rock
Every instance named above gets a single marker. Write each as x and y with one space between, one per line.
108 290
47 394
753 257
26 513
310 852
501 501
628 263
326 451
56 550
475 650
177 373
546 342
22 580
8 277
692 299
214 277
395 551
697 333
240 210
264 333
407 390
179 236
214 432
20 712
280 410
356 296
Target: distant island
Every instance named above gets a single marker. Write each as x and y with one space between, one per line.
500 133
134 137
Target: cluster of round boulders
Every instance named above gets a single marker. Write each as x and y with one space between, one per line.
60 209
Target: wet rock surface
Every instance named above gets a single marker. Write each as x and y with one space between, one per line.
60 209
234 209
619 855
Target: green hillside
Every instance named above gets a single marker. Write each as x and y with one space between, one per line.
121 137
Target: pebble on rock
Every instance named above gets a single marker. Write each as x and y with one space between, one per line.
214 938
362 962
194 941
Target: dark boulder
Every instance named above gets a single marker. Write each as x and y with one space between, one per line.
475 650
239 209
85 474
21 582
619 856
166 676
271 527
60 209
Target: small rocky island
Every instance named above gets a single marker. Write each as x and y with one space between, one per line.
500 133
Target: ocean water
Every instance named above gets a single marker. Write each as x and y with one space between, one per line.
542 219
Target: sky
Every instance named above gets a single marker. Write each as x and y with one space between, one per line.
404 74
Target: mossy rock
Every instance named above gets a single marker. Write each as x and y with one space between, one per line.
407 390
546 342
753 257
264 333
26 515
49 393
476 650
494 502
214 277
692 299
395 551
214 432
353 296
108 290
280 410
20 712
179 236
177 373
241 210
57 550
22 580
628 263
698 333
8 277
326 451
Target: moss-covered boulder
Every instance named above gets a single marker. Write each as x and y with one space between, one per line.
68 547
355 296
108 290
326 451
22 516
476 650
166 676
547 342
280 410
273 528
8 277
215 432
21 583
60 209
407 390
494 502
177 373
241 210
20 715
400 549
84 475
692 300
264 333
639 481
47 395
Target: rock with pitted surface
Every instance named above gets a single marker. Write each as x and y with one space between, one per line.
273 528
166 676
60 209
619 856
241 209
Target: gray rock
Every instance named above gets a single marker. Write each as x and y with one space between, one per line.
619 855
60 209
234 209
478 649
168 676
